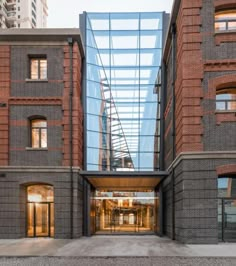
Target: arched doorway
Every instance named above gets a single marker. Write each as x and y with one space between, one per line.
40 211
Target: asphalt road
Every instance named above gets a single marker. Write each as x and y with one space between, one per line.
121 261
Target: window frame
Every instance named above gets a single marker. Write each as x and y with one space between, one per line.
38 58
225 21
226 91
34 119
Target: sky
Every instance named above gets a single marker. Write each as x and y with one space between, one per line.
65 13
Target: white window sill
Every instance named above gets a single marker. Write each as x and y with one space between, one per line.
225 111
35 149
36 80
224 31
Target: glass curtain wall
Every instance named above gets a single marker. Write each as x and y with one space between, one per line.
123 56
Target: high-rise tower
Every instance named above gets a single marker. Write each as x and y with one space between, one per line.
23 13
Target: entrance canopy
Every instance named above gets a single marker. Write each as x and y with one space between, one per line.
124 180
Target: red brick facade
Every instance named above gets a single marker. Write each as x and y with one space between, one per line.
77 112
189 73
4 109
226 169
8 100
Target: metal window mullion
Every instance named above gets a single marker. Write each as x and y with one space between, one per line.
40 132
34 223
39 76
110 106
49 219
139 59
223 219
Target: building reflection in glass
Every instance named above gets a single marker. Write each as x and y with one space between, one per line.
123 56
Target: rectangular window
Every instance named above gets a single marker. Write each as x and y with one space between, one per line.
38 68
39 133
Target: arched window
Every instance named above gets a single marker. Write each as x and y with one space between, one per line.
226 99
225 20
38 129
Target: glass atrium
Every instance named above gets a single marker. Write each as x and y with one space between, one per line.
123 57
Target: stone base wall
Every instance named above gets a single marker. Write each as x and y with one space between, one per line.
195 199
13 201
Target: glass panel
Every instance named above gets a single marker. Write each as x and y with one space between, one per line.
148 110
148 126
35 138
232 25
226 99
229 225
125 40
151 21
52 229
30 219
99 39
94 90
96 73
39 123
94 156
226 187
147 143
34 69
219 218
121 211
147 160
39 193
98 22
125 58
226 15
97 107
122 21
43 138
43 68
150 57
220 26
42 219
151 39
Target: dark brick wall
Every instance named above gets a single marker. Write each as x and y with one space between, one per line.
167 207
13 203
20 72
195 201
20 136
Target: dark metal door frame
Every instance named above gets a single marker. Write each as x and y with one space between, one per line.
224 218
35 218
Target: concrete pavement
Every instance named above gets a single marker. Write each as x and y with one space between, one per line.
112 246
118 261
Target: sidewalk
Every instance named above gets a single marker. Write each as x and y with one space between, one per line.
112 246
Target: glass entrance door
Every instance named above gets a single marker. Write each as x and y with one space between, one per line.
39 219
40 211
126 212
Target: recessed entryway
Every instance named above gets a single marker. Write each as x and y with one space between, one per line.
40 211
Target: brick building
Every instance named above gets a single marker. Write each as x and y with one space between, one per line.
124 127
199 121
38 122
